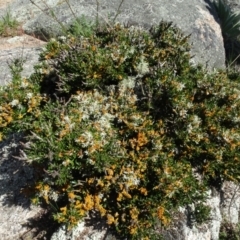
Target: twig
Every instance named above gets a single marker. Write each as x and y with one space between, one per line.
118 10
67 1
52 15
233 61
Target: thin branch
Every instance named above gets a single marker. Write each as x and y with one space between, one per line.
118 10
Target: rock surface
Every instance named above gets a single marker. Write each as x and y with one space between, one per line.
15 210
25 48
200 20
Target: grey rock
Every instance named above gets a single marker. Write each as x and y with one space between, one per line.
15 174
231 199
192 17
28 56
24 49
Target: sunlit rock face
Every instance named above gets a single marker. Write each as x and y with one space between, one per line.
195 18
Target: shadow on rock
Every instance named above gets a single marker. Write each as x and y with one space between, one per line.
15 174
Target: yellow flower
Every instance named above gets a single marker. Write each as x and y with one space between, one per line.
113 167
37 113
71 195
94 147
8 118
96 75
90 180
160 212
162 217
46 198
142 139
133 230
72 39
126 194
134 213
143 191
81 212
73 220
110 219
120 77
120 184
46 188
167 170
109 171
38 186
119 198
63 132
139 142
96 200
20 116
108 177
60 219
100 183
34 200
63 210
102 210
89 203
78 204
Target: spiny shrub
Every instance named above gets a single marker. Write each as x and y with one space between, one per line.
122 124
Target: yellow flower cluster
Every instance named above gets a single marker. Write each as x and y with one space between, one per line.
6 115
165 220
18 99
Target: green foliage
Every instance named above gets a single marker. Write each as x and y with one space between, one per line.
8 24
230 26
121 123
16 67
201 213
82 27
229 231
229 21
110 56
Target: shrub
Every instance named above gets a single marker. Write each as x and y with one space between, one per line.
120 123
81 27
229 231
